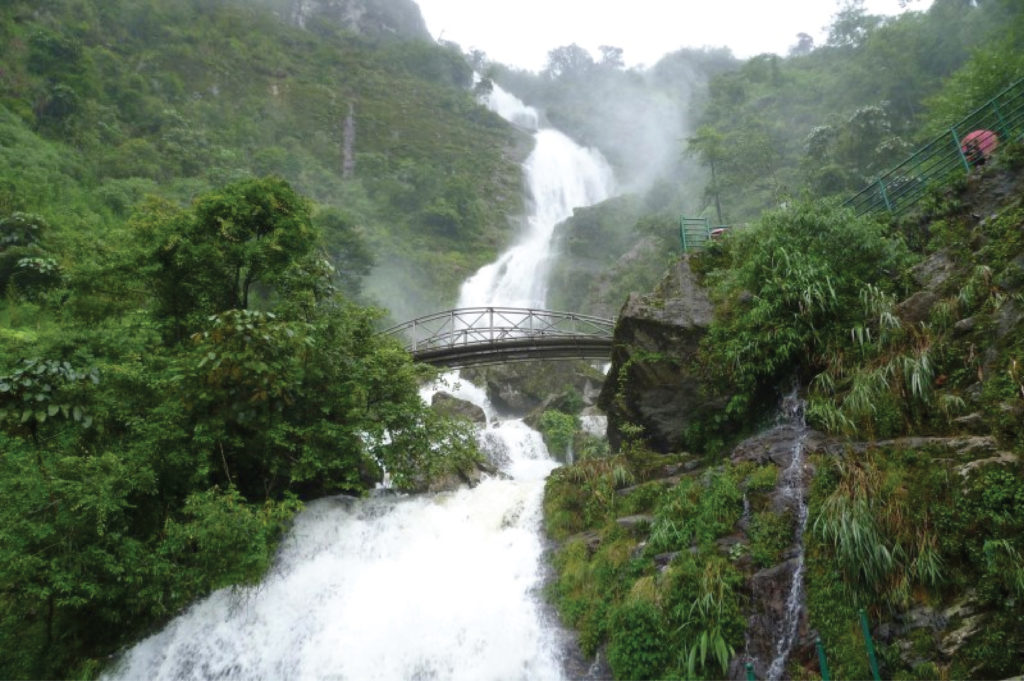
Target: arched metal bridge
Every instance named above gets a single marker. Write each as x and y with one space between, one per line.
493 335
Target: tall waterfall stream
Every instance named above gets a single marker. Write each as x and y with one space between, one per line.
422 587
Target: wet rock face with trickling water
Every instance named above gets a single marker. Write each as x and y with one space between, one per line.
656 341
776 617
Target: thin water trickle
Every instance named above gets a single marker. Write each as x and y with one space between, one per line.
425 587
791 486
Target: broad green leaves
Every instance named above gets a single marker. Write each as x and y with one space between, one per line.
44 389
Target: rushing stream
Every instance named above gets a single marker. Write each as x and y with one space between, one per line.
442 586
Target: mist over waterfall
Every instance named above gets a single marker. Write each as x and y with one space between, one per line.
443 586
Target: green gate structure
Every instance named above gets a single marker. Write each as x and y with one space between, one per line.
694 232
948 155
697 232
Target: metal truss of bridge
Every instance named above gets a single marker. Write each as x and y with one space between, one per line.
495 335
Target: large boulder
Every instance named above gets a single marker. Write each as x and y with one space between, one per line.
451 406
654 380
522 388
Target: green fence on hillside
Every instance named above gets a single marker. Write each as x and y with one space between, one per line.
967 144
695 233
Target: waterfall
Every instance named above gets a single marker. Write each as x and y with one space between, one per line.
560 176
443 586
791 488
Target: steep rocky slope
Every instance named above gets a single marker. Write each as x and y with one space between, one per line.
702 561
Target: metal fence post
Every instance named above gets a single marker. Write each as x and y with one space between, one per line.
822 663
1003 128
870 645
885 194
960 150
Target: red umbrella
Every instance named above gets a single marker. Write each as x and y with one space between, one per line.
979 145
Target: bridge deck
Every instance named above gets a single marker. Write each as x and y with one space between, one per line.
491 335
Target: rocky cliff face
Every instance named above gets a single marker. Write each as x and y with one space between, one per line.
371 18
653 381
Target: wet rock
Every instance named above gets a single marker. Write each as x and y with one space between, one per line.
470 477
972 423
769 589
776 446
662 560
934 271
1003 458
635 524
591 539
528 388
954 640
452 406
960 445
917 307
656 341
965 325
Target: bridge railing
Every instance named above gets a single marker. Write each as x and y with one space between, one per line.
491 325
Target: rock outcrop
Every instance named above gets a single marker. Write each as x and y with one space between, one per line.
371 18
523 388
452 406
653 381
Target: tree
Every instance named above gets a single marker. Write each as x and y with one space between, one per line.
804 45
568 61
24 263
611 56
709 145
347 248
235 242
851 25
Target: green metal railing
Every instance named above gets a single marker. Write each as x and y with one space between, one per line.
944 157
697 232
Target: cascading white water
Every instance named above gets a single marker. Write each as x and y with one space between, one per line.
427 587
791 485
560 176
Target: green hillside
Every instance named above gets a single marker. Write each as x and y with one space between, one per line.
173 99
901 336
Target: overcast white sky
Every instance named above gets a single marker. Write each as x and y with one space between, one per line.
522 32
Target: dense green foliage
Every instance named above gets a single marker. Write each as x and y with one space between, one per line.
167 404
826 120
102 103
658 593
961 547
904 336
789 290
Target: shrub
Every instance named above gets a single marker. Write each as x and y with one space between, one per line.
636 643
